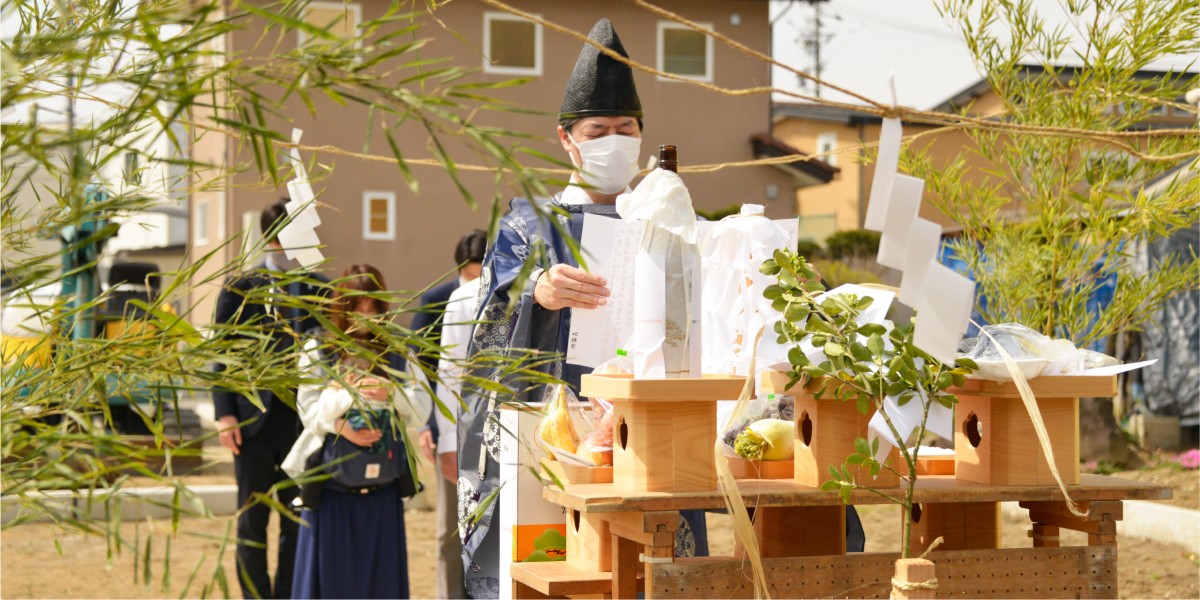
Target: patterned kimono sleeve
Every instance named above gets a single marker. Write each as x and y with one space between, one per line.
501 267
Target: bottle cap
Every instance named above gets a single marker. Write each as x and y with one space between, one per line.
622 352
752 210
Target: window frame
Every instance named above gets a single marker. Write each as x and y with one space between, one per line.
352 7
200 233
538 48
660 42
822 138
390 234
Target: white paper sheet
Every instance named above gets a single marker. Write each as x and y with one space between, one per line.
649 324
298 169
294 239
904 418
943 311
303 206
734 308
875 313
885 171
923 240
299 237
609 246
902 209
940 421
310 258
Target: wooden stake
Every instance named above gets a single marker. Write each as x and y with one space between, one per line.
914 579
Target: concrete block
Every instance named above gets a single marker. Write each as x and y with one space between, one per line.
1153 431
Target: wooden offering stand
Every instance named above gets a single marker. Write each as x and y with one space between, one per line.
995 442
641 525
825 432
663 429
642 522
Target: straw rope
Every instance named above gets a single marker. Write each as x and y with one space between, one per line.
908 586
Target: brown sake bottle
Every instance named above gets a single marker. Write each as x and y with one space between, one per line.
666 158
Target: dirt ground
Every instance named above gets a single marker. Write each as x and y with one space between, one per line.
31 566
1185 484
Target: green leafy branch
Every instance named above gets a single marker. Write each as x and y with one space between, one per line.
864 363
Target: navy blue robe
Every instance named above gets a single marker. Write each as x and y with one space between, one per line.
528 326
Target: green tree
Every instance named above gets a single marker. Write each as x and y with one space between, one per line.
1050 215
84 81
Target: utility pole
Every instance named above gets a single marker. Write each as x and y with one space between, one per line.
817 44
813 42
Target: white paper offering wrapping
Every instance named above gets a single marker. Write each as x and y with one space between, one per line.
876 313
906 419
665 315
733 306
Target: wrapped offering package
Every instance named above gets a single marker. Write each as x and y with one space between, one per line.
666 338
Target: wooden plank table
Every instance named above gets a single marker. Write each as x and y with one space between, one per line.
641 550
782 492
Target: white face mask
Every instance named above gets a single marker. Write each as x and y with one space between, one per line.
609 162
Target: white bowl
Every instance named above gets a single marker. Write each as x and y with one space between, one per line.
996 370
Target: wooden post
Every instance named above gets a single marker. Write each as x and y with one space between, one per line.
625 567
656 555
914 579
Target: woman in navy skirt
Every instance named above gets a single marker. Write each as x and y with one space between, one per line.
352 542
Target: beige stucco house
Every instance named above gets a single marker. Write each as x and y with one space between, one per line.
370 214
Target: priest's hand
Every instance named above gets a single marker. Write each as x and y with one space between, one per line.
564 286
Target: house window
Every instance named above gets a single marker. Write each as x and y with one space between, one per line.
340 19
685 51
131 172
826 145
512 45
200 224
379 216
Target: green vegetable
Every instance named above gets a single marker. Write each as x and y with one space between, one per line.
766 439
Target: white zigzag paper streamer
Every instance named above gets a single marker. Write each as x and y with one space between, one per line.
299 237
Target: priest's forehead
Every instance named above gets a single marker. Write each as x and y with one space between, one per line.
597 126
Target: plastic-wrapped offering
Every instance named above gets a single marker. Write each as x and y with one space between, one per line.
596 446
771 406
666 337
1035 354
556 432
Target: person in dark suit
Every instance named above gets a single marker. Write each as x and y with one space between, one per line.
439 436
260 438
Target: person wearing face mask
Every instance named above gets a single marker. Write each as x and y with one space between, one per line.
600 128
260 438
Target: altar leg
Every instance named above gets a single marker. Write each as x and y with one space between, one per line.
1099 522
625 567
